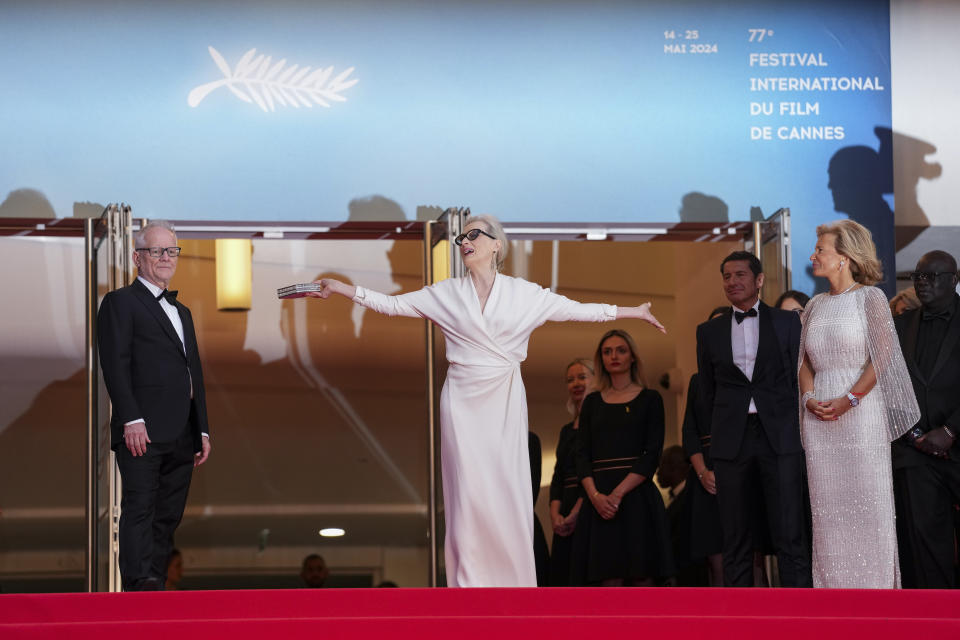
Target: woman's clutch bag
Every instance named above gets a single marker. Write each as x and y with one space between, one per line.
298 290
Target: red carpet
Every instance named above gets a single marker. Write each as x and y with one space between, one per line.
491 614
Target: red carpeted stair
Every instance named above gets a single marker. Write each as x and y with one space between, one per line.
491 614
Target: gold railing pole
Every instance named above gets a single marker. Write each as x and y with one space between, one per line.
431 414
758 240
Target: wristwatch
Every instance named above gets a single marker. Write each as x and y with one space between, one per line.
854 400
914 434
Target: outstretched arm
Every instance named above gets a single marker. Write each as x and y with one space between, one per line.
416 304
559 308
331 286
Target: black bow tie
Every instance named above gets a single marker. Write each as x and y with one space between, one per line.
935 315
171 296
740 315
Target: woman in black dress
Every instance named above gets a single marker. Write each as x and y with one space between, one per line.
566 495
622 536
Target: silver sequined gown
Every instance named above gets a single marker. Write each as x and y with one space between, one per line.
848 460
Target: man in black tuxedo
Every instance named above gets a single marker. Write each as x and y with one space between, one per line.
151 366
926 461
748 399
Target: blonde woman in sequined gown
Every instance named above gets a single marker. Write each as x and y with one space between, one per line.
856 397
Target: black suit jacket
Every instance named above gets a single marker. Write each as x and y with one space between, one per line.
725 391
939 394
144 366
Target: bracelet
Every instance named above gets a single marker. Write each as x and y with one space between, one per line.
595 494
949 432
807 396
700 475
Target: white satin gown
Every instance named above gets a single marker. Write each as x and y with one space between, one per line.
483 418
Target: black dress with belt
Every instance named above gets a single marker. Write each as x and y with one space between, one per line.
565 487
612 441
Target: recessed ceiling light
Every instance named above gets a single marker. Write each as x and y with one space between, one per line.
332 532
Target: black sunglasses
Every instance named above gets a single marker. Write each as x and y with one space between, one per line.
472 235
928 276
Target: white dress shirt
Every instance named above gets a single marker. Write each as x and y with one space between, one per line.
745 337
168 309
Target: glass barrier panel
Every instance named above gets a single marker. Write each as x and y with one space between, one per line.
42 416
317 412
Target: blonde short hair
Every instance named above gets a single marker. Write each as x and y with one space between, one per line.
493 227
855 242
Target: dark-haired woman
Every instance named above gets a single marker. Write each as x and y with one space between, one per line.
791 300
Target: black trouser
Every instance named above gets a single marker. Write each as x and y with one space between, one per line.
155 489
926 497
781 479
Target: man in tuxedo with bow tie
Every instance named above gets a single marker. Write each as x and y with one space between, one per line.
151 367
926 461
748 399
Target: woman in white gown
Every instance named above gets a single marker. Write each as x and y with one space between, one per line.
856 398
487 319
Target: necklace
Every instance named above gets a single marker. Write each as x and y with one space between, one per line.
626 407
845 290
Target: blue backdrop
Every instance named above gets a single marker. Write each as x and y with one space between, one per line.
533 111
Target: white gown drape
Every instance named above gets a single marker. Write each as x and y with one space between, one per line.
483 418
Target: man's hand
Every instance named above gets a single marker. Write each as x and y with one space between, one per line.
136 438
200 458
935 443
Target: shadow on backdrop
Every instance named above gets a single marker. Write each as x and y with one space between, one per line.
859 178
699 207
910 156
26 203
375 208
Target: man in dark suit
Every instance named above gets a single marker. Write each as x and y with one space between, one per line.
926 461
748 398
151 367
